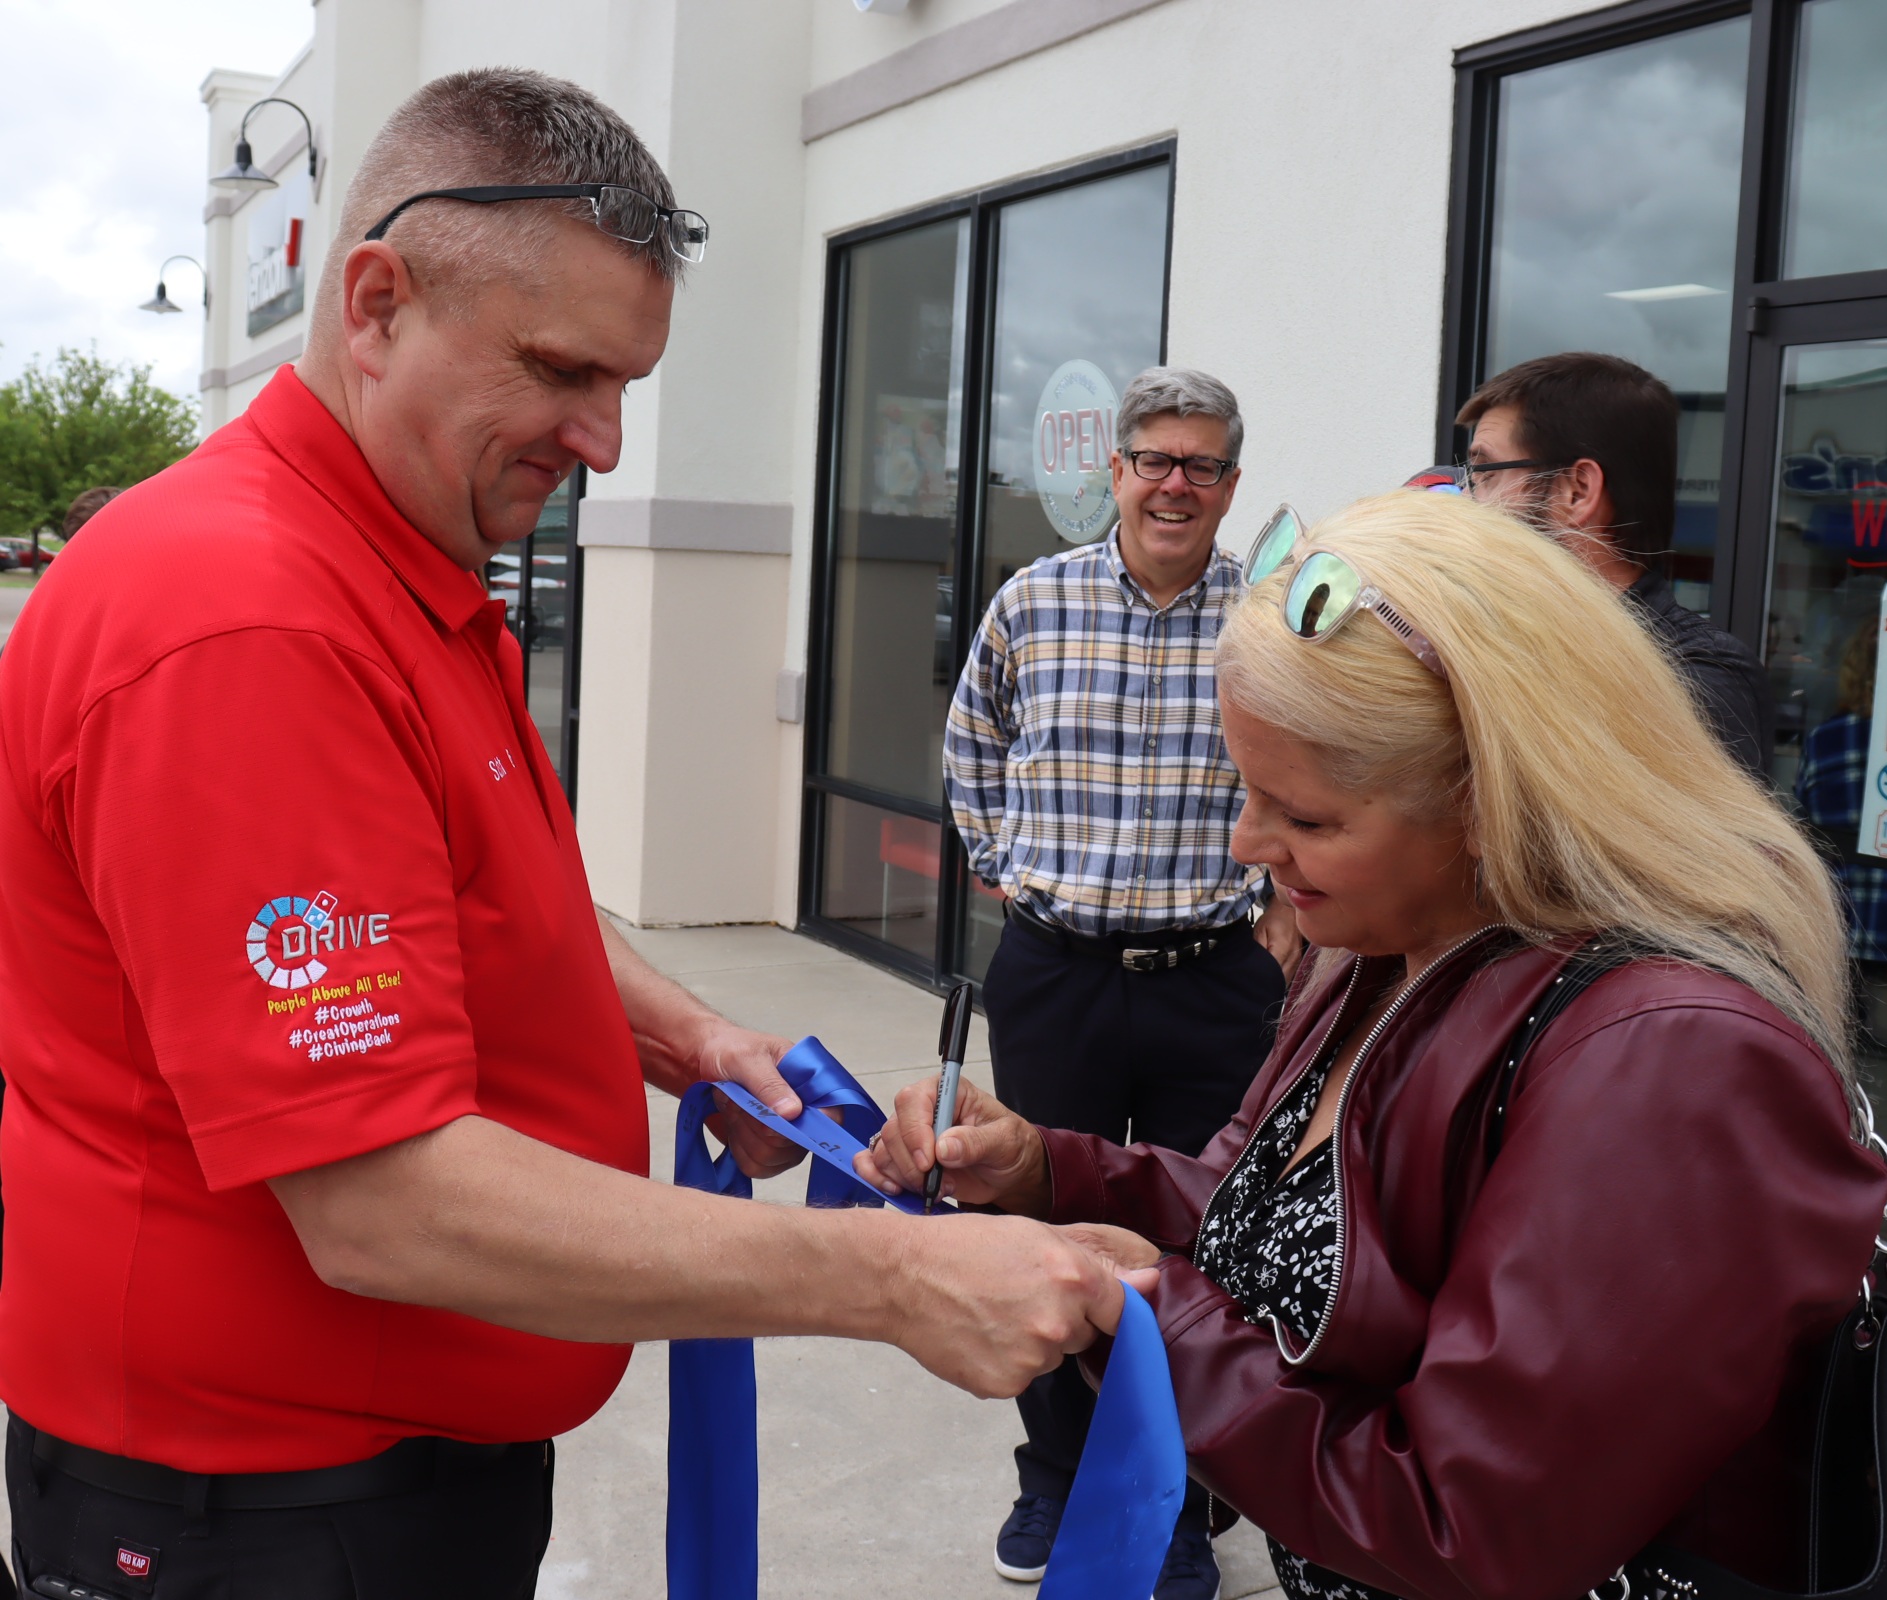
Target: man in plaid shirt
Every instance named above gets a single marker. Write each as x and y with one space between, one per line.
1089 778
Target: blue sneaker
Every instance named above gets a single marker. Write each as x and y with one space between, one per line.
1191 1571
1027 1537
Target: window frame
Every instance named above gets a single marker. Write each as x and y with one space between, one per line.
1740 572
983 208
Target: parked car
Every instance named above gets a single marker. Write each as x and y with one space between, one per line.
21 553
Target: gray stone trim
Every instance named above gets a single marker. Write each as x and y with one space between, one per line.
968 50
734 527
262 361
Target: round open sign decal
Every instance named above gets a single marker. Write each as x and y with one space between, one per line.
1074 437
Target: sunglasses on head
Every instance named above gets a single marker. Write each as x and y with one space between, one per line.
1327 590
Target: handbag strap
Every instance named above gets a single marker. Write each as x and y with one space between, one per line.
1586 966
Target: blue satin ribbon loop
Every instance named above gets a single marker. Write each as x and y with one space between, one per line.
1132 1477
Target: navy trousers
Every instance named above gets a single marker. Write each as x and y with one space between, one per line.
1078 1041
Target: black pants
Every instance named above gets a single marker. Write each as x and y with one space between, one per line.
1077 1041
472 1535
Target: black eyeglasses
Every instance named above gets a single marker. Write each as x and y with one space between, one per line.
1465 470
621 212
1201 471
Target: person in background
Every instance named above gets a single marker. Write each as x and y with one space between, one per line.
1829 789
85 505
1089 778
1584 447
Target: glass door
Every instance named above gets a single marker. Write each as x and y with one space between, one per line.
980 346
1819 409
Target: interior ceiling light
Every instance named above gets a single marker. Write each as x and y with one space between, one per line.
1665 291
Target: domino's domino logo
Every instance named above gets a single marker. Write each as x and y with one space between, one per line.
282 939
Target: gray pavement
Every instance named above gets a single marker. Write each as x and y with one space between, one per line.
876 1479
11 601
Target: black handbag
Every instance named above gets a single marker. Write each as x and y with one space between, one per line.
1847 1500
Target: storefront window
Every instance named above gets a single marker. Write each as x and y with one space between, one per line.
1837 205
1071 307
539 580
1616 182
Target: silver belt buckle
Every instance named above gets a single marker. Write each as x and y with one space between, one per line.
1147 960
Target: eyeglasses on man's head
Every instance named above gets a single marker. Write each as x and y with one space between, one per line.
621 212
1155 465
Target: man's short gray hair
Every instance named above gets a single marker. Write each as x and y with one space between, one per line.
1179 392
494 125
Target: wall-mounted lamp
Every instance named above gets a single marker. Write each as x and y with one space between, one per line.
161 301
245 174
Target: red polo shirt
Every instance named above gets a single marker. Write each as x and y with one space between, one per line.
285 876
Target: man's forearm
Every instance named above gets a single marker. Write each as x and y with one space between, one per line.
477 1218
670 1023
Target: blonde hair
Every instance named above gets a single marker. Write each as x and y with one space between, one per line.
1565 739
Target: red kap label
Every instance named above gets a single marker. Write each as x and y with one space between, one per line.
137 1560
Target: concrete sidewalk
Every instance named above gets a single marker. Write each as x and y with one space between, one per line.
876 1479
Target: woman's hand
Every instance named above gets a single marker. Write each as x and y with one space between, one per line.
990 1157
1120 1250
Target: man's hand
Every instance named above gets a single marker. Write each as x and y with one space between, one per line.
990 1303
1277 932
729 1054
990 1157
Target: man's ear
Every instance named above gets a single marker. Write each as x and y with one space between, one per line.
376 291
1588 502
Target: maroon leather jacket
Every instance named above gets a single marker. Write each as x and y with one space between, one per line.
1529 1369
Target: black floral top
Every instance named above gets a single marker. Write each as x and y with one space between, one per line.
1269 1239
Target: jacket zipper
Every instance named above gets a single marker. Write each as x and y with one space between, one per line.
1258 1123
1336 1132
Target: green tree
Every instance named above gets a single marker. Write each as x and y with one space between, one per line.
78 422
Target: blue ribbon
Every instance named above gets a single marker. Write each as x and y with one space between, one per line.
1132 1477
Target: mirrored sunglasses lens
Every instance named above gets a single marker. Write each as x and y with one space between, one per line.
627 215
1321 595
1274 544
688 235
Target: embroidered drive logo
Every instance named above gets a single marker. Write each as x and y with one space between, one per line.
282 940
290 934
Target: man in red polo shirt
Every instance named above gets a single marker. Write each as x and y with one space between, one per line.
325 1137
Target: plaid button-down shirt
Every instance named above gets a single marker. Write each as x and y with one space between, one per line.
1829 788
1083 756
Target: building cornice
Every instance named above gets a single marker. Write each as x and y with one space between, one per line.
262 361
1021 28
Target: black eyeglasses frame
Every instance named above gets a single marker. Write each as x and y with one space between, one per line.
1184 463
694 233
1465 470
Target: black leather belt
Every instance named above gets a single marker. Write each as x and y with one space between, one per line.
411 1465
1153 950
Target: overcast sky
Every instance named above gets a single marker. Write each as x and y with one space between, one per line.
104 142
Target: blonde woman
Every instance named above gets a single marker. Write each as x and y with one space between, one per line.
1443 1336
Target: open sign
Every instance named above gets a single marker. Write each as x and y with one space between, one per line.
1074 439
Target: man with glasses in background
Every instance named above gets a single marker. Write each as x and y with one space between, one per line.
326 1138
1584 447
1089 778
